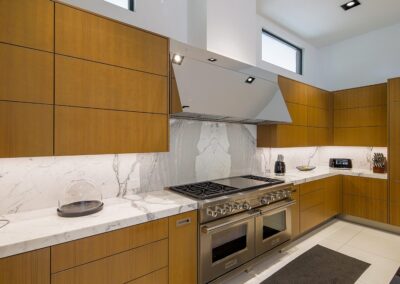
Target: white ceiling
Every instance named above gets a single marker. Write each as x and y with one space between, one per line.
324 22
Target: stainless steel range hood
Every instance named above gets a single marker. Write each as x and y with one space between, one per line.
218 91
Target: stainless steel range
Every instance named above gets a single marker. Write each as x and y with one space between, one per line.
240 218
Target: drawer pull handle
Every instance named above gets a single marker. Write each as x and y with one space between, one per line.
183 222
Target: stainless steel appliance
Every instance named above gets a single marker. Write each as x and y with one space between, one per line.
240 218
344 164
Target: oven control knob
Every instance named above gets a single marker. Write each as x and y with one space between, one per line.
246 206
265 200
211 213
228 208
220 210
237 206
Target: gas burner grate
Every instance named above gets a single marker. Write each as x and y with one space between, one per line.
205 190
270 181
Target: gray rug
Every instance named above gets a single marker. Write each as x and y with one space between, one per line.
319 265
396 278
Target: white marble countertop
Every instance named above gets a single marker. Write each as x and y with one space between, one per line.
298 177
42 228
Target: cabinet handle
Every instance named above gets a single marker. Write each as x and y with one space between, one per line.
183 222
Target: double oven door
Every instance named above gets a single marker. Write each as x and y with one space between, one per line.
227 243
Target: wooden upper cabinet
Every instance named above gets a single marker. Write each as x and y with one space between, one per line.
281 136
318 98
298 113
394 150
26 130
26 74
27 268
27 23
83 131
360 136
89 84
368 96
87 36
293 91
361 117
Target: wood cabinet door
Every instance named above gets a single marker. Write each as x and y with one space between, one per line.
89 84
87 36
26 75
333 196
26 130
183 248
365 198
84 131
27 23
27 268
312 207
158 277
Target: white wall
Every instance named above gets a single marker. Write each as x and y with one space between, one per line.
231 29
311 64
165 17
364 60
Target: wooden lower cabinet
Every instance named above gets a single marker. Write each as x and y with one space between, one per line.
158 277
365 198
320 200
295 212
27 268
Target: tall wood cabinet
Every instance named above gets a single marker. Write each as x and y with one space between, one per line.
360 116
26 78
310 110
394 150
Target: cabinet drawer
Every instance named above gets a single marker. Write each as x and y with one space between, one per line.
311 199
84 131
26 74
82 251
333 196
26 130
87 36
119 268
89 84
366 187
31 268
159 277
364 207
311 217
312 186
27 23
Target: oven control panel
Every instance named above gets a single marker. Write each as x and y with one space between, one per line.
230 207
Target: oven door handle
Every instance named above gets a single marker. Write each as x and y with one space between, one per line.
207 230
273 209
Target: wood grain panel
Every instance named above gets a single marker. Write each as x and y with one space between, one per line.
26 74
360 136
88 84
361 117
293 91
295 212
26 130
394 90
27 23
312 186
119 268
183 248
319 136
80 131
368 187
333 196
27 268
311 199
317 117
364 207
318 98
158 277
88 36
71 254
311 217
369 96
395 213
281 136
298 113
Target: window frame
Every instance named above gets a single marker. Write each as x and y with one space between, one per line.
131 5
299 51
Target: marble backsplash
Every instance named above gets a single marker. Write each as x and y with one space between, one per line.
198 151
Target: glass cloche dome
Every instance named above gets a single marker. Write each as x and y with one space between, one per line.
80 198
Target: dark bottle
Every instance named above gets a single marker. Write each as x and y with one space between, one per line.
280 167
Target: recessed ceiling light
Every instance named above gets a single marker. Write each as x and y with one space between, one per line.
212 59
351 4
177 59
250 80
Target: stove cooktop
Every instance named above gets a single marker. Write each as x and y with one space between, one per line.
221 187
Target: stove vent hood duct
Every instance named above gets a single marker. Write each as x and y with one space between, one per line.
218 91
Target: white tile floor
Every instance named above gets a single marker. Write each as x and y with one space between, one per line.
380 249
